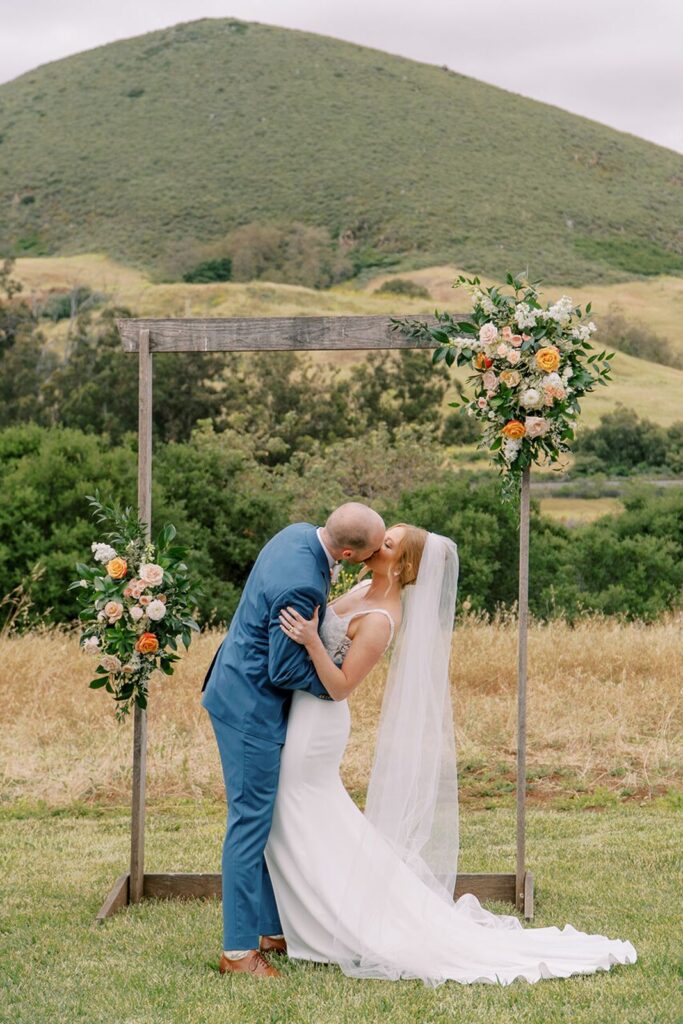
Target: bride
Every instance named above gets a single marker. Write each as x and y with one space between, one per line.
373 892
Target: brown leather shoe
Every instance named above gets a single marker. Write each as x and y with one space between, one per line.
271 945
253 963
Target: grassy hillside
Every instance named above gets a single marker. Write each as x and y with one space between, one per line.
654 391
145 144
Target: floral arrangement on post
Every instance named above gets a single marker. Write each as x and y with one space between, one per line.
530 369
137 605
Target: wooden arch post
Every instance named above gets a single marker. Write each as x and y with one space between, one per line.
263 334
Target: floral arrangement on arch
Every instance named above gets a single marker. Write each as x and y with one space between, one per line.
531 367
137 603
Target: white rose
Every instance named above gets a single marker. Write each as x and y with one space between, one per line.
136 612
488 333
102 552
156 610
562 310
151 574
531 398
552 380
110 663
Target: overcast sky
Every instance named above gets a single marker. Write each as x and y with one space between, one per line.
616 61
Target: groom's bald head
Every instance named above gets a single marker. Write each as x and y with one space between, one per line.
354 531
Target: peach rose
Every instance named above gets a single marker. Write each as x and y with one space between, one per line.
113 610
110 663
147 643
482 403
511 378
136 612
506 333
134 589
514 429
151 574
502 350
117 568
548 358
490 381
144 599
513 356
536 426
488 333
516 340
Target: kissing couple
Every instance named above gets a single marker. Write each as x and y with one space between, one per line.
306 873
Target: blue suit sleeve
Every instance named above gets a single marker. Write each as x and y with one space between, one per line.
289 664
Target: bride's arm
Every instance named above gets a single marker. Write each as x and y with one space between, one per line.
369 644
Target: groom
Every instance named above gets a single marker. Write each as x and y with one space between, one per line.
247 692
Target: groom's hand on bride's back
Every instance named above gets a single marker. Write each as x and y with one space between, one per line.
289 664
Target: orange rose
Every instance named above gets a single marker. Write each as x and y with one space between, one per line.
117 568
514 429
147 643
548 358
482 362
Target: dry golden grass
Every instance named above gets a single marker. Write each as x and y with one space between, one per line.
604 712
571 511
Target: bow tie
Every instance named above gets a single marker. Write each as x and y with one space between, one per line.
334 572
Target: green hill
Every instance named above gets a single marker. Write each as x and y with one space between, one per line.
186 133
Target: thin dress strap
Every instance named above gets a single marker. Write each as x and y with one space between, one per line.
367 611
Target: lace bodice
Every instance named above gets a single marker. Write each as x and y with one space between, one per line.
333 631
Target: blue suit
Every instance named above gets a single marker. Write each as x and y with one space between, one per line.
247 692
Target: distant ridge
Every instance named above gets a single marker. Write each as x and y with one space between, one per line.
190 131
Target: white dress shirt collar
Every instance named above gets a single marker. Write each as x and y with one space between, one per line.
330 559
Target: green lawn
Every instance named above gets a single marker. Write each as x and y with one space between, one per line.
612 871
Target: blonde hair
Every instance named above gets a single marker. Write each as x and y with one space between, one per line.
410 549
408 555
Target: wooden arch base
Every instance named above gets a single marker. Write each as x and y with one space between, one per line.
179 886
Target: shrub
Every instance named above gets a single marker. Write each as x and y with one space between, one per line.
623 443
402 286
637 339
219 269
67 305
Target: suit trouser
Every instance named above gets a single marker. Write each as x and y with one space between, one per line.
251 768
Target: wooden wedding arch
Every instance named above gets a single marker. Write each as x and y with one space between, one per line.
304 333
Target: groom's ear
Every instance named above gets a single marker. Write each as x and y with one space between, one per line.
346 553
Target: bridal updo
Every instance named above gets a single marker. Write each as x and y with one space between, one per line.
409 554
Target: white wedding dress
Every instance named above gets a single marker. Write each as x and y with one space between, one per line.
342 891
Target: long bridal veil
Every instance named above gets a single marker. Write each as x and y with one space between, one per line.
412 799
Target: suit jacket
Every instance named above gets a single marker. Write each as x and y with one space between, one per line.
251 678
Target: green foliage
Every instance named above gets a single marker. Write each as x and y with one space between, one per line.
219 269
629 565
402 286
95 387
623 444
631 255
44 517
67 305
226 505
264 132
